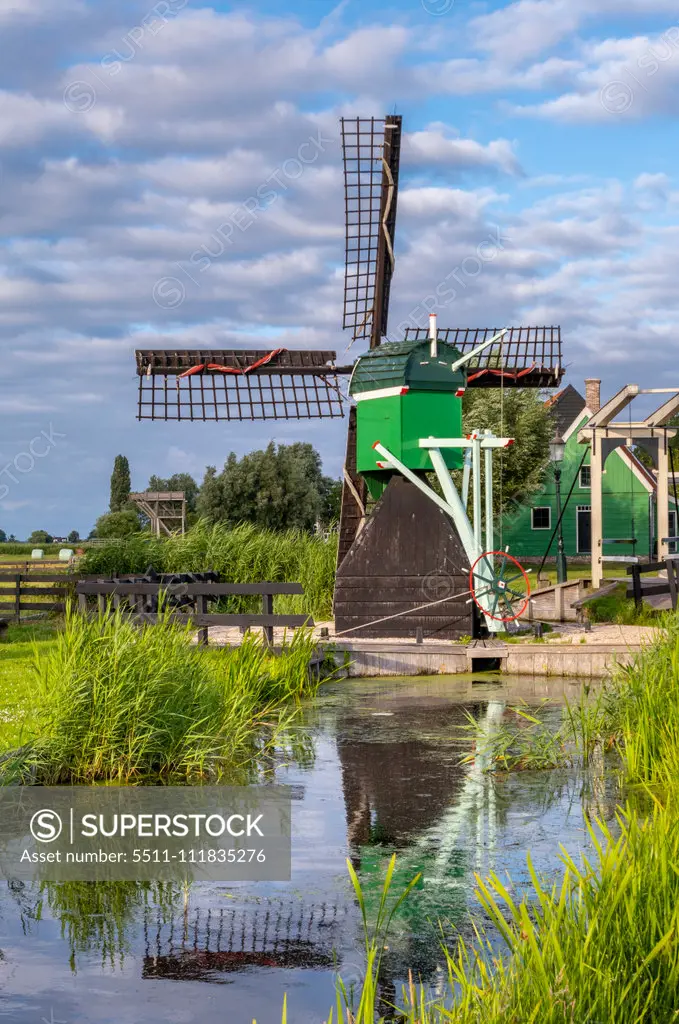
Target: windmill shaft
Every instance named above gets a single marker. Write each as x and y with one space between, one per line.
387 223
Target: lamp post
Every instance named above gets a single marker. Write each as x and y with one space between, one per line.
557 450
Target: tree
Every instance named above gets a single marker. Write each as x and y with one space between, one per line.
3 536
120 484
331 500
178 482
210 504
40 537
73 537
278 488
522 415
117 524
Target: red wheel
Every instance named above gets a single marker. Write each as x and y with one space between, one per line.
499 586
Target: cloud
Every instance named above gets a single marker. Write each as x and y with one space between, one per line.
434 147
622 79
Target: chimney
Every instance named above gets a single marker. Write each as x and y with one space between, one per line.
593 394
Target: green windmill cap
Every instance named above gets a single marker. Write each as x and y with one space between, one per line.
408 364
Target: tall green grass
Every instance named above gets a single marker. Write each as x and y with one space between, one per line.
111 702
244 554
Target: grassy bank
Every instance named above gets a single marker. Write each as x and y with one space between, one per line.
107 702
602 944
242 555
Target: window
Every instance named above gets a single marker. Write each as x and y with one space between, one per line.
542 518
585 477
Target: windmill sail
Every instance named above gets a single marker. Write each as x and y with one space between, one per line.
526 357
371 148
215 384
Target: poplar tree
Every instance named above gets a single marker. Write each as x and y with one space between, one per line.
120 484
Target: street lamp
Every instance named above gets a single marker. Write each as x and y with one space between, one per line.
557 450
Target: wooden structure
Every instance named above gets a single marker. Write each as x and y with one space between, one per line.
404 572
137 598
657 587
33 592
604 433
628 498
416 381
166 510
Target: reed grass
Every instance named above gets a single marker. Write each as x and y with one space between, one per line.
111 702
244 554
529 742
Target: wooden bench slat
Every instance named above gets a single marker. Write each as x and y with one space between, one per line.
190 589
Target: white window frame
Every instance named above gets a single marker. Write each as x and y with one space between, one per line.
536 508
585 487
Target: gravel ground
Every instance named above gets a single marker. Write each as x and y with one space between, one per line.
627 636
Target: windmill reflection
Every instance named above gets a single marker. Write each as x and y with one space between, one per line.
209 943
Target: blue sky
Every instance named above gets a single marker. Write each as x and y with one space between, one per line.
131 132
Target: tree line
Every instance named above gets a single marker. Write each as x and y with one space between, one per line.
281 487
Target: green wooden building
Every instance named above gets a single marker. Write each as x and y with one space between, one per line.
629 494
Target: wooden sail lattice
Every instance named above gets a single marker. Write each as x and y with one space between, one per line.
527 357
371 150
294 385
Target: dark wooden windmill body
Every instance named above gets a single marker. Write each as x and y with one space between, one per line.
384 568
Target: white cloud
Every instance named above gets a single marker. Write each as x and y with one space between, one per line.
435 147
624 79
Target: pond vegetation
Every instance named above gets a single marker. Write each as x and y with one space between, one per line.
601 944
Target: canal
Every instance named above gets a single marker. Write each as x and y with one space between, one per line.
375 768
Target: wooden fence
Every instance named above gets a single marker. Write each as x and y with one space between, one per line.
42 565
19 592
191 600
639 589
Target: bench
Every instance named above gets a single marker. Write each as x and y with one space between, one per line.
131 597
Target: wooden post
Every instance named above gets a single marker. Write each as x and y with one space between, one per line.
636 587
267 609
672 567
663 502
596 482
17 599
201 604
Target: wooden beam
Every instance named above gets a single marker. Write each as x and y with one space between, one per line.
666 411
596 496
614 405
663 498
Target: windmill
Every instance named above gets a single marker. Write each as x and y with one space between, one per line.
400 394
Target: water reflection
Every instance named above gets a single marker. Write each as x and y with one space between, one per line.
378 767
204 944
